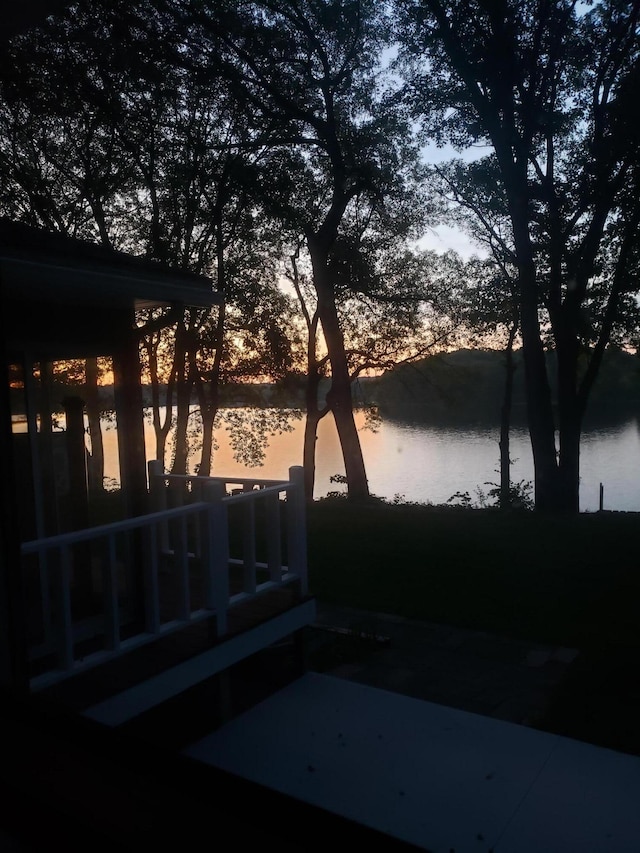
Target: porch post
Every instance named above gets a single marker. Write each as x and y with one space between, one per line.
50 506
77 462
131 449
130 420
34 444
297 527
78 505
13 645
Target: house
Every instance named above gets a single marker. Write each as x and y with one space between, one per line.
140 626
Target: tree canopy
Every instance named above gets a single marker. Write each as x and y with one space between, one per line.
225 137
547 85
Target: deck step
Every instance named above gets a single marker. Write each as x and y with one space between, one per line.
128 704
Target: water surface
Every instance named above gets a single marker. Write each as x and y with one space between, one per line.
427 463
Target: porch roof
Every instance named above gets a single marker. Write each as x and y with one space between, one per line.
62 296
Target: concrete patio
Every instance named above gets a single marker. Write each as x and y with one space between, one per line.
445 780
424 733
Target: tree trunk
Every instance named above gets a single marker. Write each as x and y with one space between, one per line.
313 417
339 396
210 402
183 375
208 417
312 386
309 453
92 400
538 392
161 428
209 399
569 467
569 420
208 407
505 423
181 446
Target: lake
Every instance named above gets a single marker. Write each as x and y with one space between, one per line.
426 463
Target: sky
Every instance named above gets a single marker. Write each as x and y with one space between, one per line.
442 238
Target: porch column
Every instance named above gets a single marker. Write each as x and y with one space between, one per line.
78 499
51 509
77 462
130 421
13 647
131 451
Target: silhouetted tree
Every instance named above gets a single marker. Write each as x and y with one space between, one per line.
394 308
107 132
549 87
308 72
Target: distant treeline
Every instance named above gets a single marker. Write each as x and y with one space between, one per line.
468 386
465 386
287 395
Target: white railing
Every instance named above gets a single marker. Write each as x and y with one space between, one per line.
167 547
254 496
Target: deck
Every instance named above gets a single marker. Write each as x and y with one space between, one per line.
282 610
128 615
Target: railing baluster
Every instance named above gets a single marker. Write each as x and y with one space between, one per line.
158 496
249 543
219 568
297 527
206 523
197 493
152 596
181 552
65 637
112 614
45 591
274 550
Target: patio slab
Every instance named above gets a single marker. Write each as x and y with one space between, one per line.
437 777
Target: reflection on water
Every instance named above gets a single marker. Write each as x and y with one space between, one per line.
430 463
427 463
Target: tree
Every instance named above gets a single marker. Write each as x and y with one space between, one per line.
475 203
108 133
548 86
494 306
308 70
61 162
314 369
395 307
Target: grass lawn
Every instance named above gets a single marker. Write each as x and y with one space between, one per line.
572 581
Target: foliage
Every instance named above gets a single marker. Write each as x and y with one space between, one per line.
520 497
219 137
332 495
337 174
249 431
109 132
546 88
